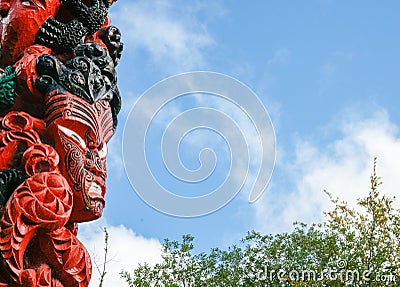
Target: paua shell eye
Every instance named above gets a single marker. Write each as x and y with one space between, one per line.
103 151
73 135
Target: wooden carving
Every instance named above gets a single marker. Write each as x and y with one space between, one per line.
58 109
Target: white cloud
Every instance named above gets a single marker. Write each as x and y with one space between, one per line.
342 167
126 251
168 30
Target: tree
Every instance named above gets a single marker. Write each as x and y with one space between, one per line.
368 237
357 246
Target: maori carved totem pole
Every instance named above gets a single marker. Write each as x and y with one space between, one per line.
58 109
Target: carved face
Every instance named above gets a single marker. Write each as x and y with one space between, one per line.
20 21
81 132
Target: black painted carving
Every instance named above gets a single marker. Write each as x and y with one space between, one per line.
10 179
61 37
64 37
115 104
111 36
91 17
90 75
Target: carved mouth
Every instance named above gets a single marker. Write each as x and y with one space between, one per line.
90 203
95 188
95 195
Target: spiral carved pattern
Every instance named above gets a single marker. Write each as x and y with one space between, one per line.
41 204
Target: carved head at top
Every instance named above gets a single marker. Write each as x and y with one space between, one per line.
20 22
56 24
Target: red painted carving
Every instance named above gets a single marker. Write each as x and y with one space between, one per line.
53 144
22 24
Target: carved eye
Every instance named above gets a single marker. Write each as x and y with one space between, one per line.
103 151
73 135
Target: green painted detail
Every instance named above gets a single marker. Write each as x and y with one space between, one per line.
7 88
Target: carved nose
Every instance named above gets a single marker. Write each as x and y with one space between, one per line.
94 164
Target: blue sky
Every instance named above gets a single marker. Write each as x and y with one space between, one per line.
327 72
